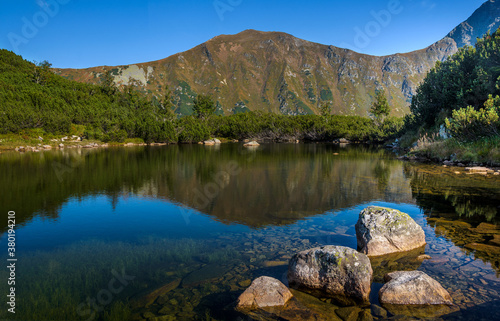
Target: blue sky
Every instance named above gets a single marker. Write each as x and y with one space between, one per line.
86 33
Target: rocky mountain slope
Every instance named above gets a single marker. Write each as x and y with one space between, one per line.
274 71
484 19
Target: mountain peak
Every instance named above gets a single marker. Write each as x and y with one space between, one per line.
277 72
485 18
249 35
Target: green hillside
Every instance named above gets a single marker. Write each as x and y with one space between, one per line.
461 95
35 102
33 97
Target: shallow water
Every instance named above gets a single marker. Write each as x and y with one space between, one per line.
180 231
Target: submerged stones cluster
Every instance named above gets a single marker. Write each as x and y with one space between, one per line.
344 276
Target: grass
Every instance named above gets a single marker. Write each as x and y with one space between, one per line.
485 150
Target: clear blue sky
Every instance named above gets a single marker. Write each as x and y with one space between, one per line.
85 33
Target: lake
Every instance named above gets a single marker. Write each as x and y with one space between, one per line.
178 232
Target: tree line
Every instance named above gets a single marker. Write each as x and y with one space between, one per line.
33 97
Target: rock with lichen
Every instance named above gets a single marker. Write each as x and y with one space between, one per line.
381 231
336 272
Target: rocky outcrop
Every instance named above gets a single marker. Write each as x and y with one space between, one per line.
264 292
484 19
381 231
336 272
413 287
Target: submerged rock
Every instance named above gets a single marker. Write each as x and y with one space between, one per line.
382 231
150 298
205 274
413 287
264 292
399 261
479 169
336 272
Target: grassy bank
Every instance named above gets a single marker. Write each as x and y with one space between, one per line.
484 151
32 138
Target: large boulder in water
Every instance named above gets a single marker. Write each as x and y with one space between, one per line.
264 292
415 294
337 272
382 231
412 287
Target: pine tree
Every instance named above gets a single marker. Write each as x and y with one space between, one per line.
204 106
325 108
380 107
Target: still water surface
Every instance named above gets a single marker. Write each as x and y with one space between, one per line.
178 232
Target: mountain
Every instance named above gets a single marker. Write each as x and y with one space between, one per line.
276 72
484 19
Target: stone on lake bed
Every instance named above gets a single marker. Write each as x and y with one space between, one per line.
264 292
490 249
478 169
151 297
336 272
275 263
381 231
414 288
398 261
205 274
495 240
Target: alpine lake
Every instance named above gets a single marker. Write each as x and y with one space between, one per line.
179 232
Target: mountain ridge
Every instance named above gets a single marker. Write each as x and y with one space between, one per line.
277 72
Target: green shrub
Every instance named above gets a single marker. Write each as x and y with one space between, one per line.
191 130
468 124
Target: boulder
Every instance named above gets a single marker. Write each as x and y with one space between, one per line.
251 144
209 143
413 287
212 142
382 231
151 297
335 272
300 307
264 292
341 141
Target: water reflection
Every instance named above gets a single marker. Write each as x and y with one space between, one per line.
196 224
274 185
455 194
460 207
